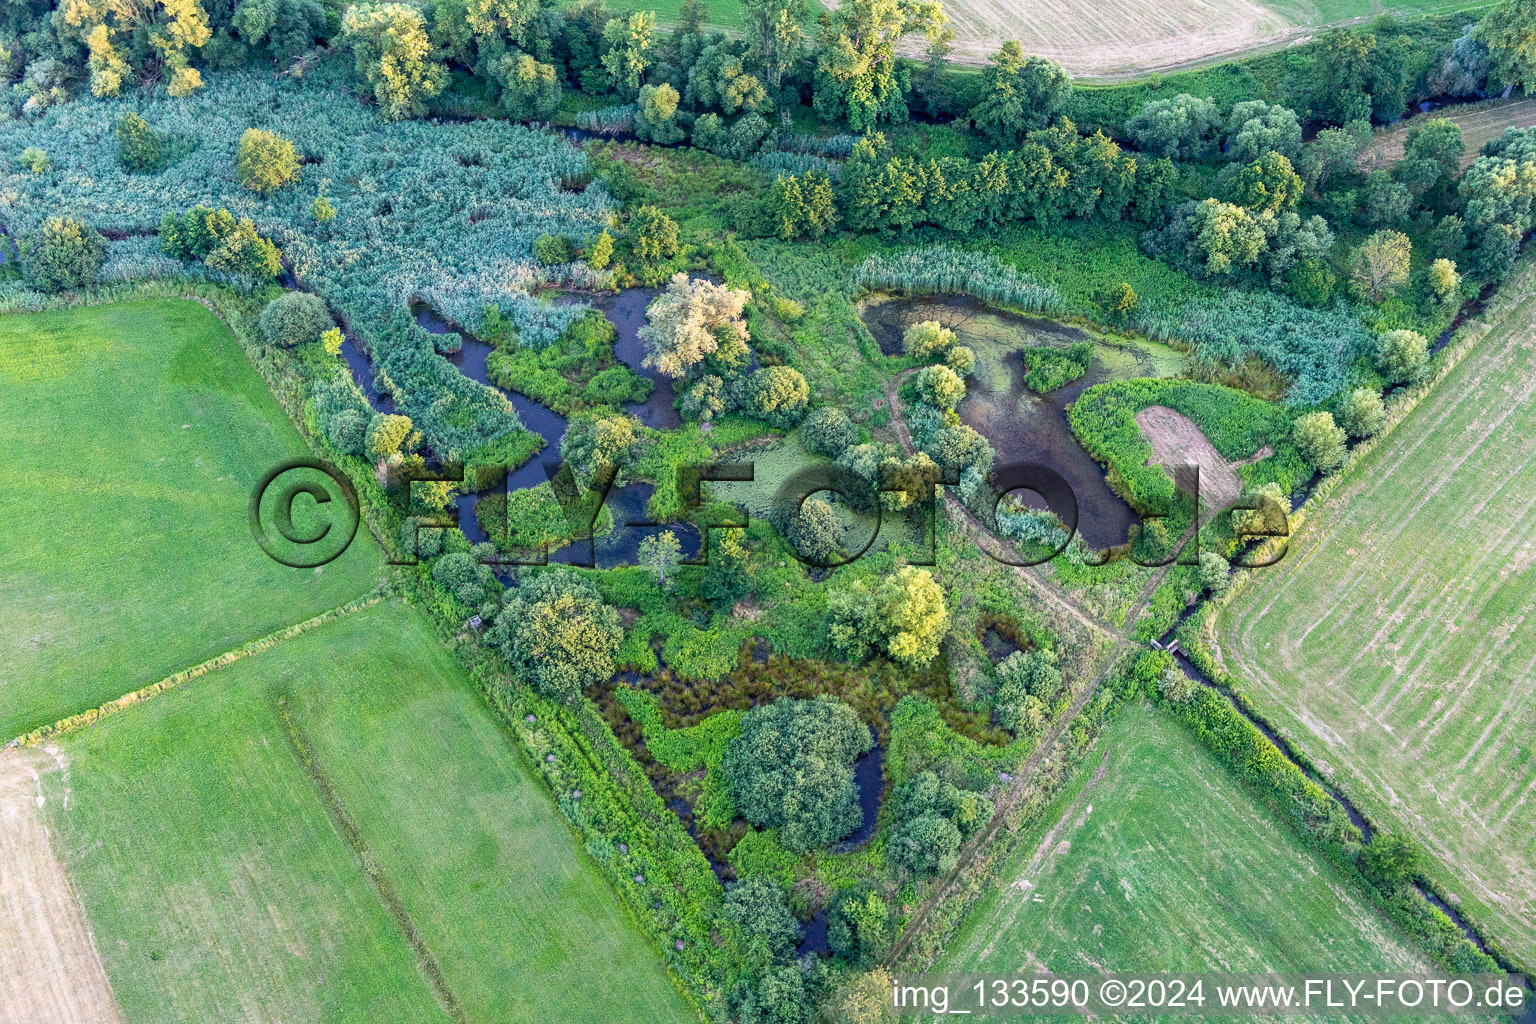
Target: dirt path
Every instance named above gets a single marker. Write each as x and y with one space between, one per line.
1023 785
49 971
1178 442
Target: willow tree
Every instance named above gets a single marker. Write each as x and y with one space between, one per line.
695 320
126 38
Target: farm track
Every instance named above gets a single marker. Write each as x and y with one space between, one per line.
1024 783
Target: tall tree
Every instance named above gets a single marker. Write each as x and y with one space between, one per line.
392 53
777 36
1018 95
856 68
1509 32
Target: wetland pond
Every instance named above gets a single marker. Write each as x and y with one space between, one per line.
1021 425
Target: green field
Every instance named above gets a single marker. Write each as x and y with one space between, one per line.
218 887
126 552
1156 859
1395 642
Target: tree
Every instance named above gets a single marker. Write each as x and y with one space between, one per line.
1390 859
600 252
1018 95
939 386
727 576
386 433
1432 152
138 147
594 444
791 769
859 925
857 75
266 161
777 394
1124 302
766 930
902 615
925 845
660 553
1215 573
1509 32
1028 682
294 318
1380 265
653 235
34 159
960 358
958 447
1210 237
557 633
1320 441
777 39
241 249
656 115
1311 282
1361 413
629 41
1269 184
1182 128
815 531
1402 356
926 338
530 89
781 996
62 254
803 206
1333 151
693 320
392 53
1273 514
126 41
864 998
1358 75
463 577
1443 279
828 431
1255 127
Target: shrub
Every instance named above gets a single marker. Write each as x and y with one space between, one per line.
557 634
294 318
1380 265
1215 573
600 252
1320 441
1402 356
1361 413
791 769
347 431
1046 369
814 531
766 929
925 845
940 387
553 249
1443 279
266 161
828 431
902 614
777 394
927 338
138 147
62 254
960 359
653 235
386 433
859 925
1028 683
1124 301
34 160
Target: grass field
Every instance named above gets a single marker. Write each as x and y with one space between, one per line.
1114 38
1395 641
220 878
140 430
1156 859
1480 123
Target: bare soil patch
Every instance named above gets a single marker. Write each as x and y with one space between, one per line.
1178 442
1481 123
48 965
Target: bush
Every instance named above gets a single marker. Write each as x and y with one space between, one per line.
1028 684
386 433
859 925
294 318
61 255
814 531
940 387
138 147
828 431
1402 356
766 929
960 358
1215 573
1320 441
1361 413
1046 369
777 394
553 249
925 339
600 252
347 431
34 160
925 845
653 235
266 161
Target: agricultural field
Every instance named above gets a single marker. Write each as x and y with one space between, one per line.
356 841
1125 38
1394 642
1480 124
157 430
1155 859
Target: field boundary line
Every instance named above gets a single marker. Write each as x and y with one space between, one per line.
84 719
304 751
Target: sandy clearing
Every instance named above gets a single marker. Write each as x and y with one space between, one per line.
1111 37
1481 123
49 971
1178 442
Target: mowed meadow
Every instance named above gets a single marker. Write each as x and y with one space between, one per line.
1395 643
1156 859
335 829
126 553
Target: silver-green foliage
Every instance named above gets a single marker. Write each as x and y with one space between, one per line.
939 268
